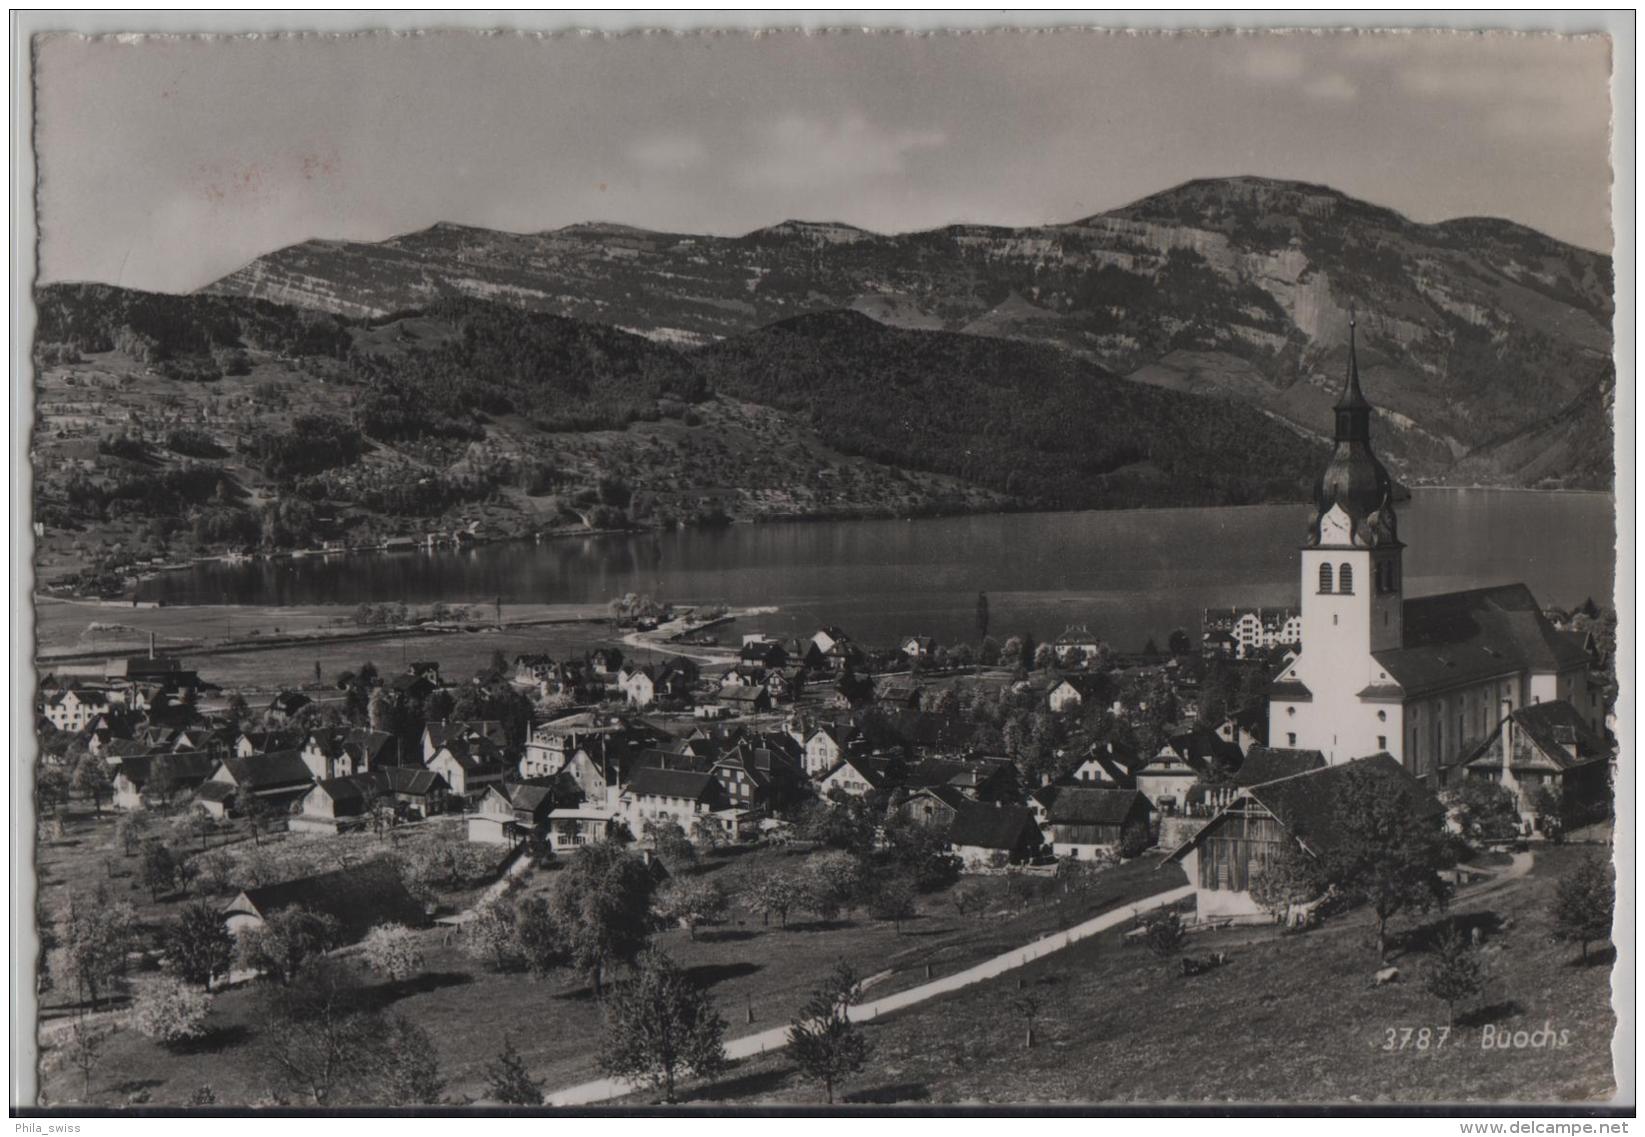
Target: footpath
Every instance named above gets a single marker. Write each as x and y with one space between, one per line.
748 1046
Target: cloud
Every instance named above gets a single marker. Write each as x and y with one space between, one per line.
1273 65
667 152
1334 86
797 152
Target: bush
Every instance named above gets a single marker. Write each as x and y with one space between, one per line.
391 950
170 1011
1165 934
1135 841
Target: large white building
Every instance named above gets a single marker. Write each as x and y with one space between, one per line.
1425 679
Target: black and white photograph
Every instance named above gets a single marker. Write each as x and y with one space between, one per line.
846 570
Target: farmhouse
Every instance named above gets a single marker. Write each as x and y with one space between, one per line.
982 835
280 779
1075 691
142 775
1553 753
856 775
1086 821
358 897
1263 820
656 794
469 766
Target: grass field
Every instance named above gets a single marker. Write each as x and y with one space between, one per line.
1290 1018
746 966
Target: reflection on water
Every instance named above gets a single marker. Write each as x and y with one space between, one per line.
1130 575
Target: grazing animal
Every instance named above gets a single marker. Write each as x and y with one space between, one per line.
1387 975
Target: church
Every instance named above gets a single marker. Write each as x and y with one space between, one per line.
1424 680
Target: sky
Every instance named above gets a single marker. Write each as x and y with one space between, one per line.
165 163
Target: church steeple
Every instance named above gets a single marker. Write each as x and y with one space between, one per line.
1353 409
1354 490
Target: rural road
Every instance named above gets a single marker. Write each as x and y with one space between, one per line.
777 1037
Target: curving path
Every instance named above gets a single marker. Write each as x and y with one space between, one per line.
776 1038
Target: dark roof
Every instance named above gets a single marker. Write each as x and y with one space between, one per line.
1004 827
274 770
1306 803
1078 805
1206 750
346 791
950 796
1266 764
874 771
650 781
1290 690
1553 728
1464 637
185 767
1077 634
407 780
530 796
1085 683
214 791
953 771
743 694
359 897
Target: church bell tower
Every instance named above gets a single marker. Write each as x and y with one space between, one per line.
1352 588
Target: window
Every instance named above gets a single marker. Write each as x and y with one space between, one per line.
1291 738
1382 742
1345 578
1382 716
1324 578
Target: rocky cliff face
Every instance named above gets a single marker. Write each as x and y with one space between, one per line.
1470 330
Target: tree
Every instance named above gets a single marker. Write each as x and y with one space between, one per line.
489 933
1285 879
1027 1002
253 810
1486 810
391 950
286 940
982 615
159 868
198 945
775 893
988 651
601 906
660 1026
1549 806
1456 973
707 833
314 1036
1165 934
508 1082
1178 642
51 788
1011 652
833 881
671 843
405 1066
95 939
85 1050
823 1040
171 1011
93 779
1584 904
1385 849
162 781
894 901
1044 656
692 901
130 831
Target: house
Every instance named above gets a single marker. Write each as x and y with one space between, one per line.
785 684
933 805
533 669
439 734
571 827
856 775
344 752
985 835
1075 690
1551 751
897 691
416 792
1245 728
410 685
551 744
1243 633
826 639
654 794
469 766
286 704
757 778
638 685
918 647
606 662
764 653
979 779
1077 644
1109 763
358 897
251 742
72 709
516 811
334 805
677 677
745 700
492 822
1165 780
278 777
161 775
1267 764
1085 821
824 747
1262 821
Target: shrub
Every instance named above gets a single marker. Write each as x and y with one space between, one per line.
391 950
171 1011
1165 934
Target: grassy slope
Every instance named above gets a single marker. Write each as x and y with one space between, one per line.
1293 1019
556 1024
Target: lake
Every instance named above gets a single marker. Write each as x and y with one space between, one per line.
1130 575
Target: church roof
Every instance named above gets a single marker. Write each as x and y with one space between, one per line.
1354 479
1458 638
